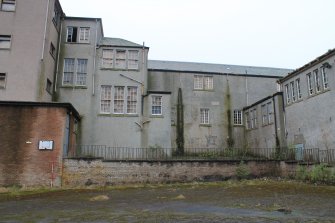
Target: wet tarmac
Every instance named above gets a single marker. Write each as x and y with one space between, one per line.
252 201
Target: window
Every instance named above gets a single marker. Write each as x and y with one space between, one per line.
68 71
269 112
264 115
133 59
8 5
238 117
287 91
120 59
203 82
293 92
253 118
81 72
84 35
156 108
324 78
107 58
56 14
72 78
72 34
208 81
49 86
204 116
198 82
52 50
2 80
297 83
317 80
310 84
5 41
247 120
106 99
131 100
119 100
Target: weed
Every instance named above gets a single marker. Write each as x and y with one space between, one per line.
242 171
321 173
302 173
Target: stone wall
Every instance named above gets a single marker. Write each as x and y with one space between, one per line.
84 172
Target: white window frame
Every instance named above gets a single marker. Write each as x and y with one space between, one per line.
238 117
133 59
293 95
324 76
298 86
5 41
107 58
310 84
208 83
120 61
84 35
8 5
3 80
198 82
317 80
288 96
81 74
119 98
269 110
78 75
247 120
71 31
106 99
68 74
264 114
204 116
156 105
203 82
132 93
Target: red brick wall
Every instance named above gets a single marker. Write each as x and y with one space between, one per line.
21 129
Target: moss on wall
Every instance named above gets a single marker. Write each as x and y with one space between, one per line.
180 123
228 111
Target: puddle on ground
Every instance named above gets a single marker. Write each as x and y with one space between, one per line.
241 202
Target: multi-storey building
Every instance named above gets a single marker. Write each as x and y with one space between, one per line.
29 38
124 99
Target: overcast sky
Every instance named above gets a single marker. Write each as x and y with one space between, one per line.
271 33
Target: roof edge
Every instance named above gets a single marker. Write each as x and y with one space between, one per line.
41 104
312 63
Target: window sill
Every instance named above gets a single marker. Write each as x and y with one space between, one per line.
1 10
205 90
117 115
318 93
75 87
118 69
80 43
205 125
156 116
264 125
238 125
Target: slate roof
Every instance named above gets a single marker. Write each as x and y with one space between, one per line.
192 67
106 41
314 62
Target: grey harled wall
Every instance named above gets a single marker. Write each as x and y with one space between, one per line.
243 91
310 120
79 172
